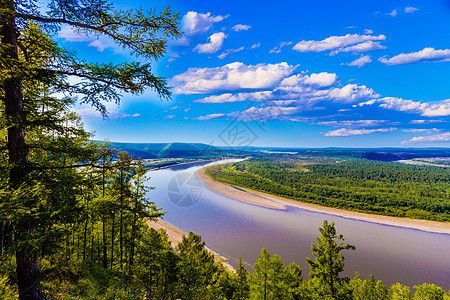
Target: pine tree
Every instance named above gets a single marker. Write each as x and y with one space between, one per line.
34 138
272 280
329 263
196 268
400 292
242 286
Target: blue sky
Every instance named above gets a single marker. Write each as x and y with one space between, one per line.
290 74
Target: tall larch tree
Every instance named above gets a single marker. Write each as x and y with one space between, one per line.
22 69
329 263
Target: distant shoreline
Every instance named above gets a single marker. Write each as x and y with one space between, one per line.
275 202
180 164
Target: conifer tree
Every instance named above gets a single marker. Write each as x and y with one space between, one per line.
242 289
272 280
329 263
34 138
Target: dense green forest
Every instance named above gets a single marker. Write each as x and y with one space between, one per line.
386 188
145 265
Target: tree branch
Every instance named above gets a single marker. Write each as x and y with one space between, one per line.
93 78
77 24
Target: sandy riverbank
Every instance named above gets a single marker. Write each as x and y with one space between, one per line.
274 202
176 236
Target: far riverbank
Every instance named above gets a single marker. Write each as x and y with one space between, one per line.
274 202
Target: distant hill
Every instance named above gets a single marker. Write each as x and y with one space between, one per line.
381 154
169 150
192 150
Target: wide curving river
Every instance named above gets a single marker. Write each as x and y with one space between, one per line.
233 228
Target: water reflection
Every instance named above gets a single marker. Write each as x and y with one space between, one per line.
233 229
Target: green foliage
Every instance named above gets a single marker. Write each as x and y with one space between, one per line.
189 271
400 292
428 291
156 264
272 280
369 289
46 160
367 186
6 291
196 267
329 262
241 283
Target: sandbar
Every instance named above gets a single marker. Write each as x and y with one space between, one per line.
275 202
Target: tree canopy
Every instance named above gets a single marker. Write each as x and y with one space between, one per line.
45 151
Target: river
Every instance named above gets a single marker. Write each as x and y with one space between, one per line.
233 228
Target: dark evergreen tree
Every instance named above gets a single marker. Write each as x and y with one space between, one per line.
329 263
35 138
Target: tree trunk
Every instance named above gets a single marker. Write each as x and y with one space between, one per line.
121 221
133 230
6 238
28 275
85 240
92 243
105 246
112 238
27 270
105 241
2 239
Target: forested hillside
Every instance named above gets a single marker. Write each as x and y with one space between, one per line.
385 188
171 150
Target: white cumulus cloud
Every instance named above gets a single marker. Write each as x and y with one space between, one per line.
429 55
91 113
194 23
335 42
301 90
420 130
211 117
323 79
70 35
101 46
361 47
426 109
347 94
232 76
214 44
410 9
360 62
264 113
443 137
352 132
240 27
277 49
392 13
229 51
352 123
228 97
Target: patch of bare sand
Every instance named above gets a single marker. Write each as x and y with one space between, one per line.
244 195
176 236
270 201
